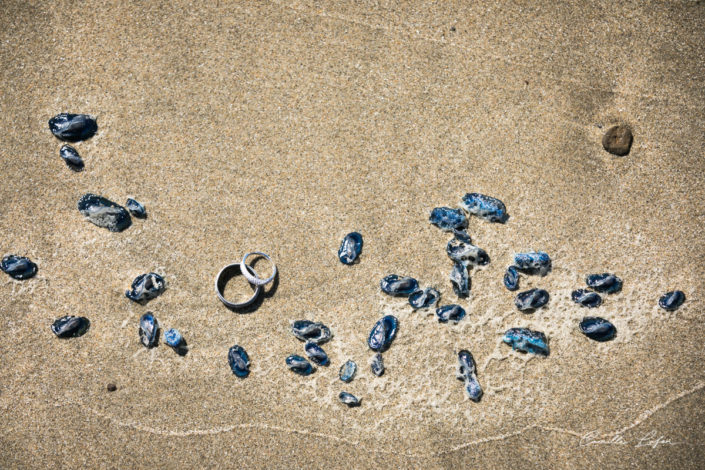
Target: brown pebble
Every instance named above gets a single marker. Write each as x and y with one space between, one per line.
618 140
112 387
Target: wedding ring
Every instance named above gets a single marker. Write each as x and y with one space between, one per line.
227 273
253 278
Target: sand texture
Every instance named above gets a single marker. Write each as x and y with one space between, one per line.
281 126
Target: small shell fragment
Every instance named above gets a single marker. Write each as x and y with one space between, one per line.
671 300
70 326
315 332
511 278
299 365
350 248
136 208
349 399
347 371
399 286
239 361
71 157
146 287
448 219
173 338
531 299
424 298
467 372
149 330
460 280
377 365
466 253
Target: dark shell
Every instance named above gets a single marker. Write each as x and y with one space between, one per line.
377 365
597 328
511 278
18 267
531 299
467 373
586 298
316 353
466 365
485 207
306 330
136 208
671 300
605 282
299 365
149 330
104 213
146 287
462 235
453 312
71 157
173 338
526 340
383 333
350 248
347 371
70 326
465 253
400 286
533 262
73 127
349 399
239 361
424 298
460 280
448 219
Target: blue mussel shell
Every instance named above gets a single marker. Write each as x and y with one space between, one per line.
350 248
18 267
400 286
104 213
299 365
349 399
149 330
531 299
239 361
306 330
597 328
452 312
671 300
316 353
586 298
448 219
485 207
136 208
347 371
467 373
526 340
511 278
383 333
146 287
71 157
73 127
70 326
605 282
533 262
377 365
424 298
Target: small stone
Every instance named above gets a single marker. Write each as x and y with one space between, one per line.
71 157
460 280
466 253
448 219
316 353
70 326
73 127
18 267
531 299
671 300
239 361
511 278
605 282
586 298
383 333
314 332
400 286
597 328
618 140
149 330
111 387
136 208
347 371
350 248
452 312
377 365
299 365
146 287
349 399
173 338
485 207
104 213
533 262
526 341
424 298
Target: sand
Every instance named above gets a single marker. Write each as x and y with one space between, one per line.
281 126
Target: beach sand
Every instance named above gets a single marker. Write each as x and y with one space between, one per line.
281 126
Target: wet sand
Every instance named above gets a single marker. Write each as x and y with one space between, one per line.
281 126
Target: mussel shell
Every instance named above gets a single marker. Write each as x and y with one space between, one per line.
104 213
350 248
460 280
597 328
146 287
239 361
377 365
73 127
511 278
306 330
400 286
347 371
149 330
424 298
18 267
136 208
349 399
70 326
586 298
448 219
299 365
71 157
531 299
383 333
316 353
526 340
671 300
485 207
452 312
